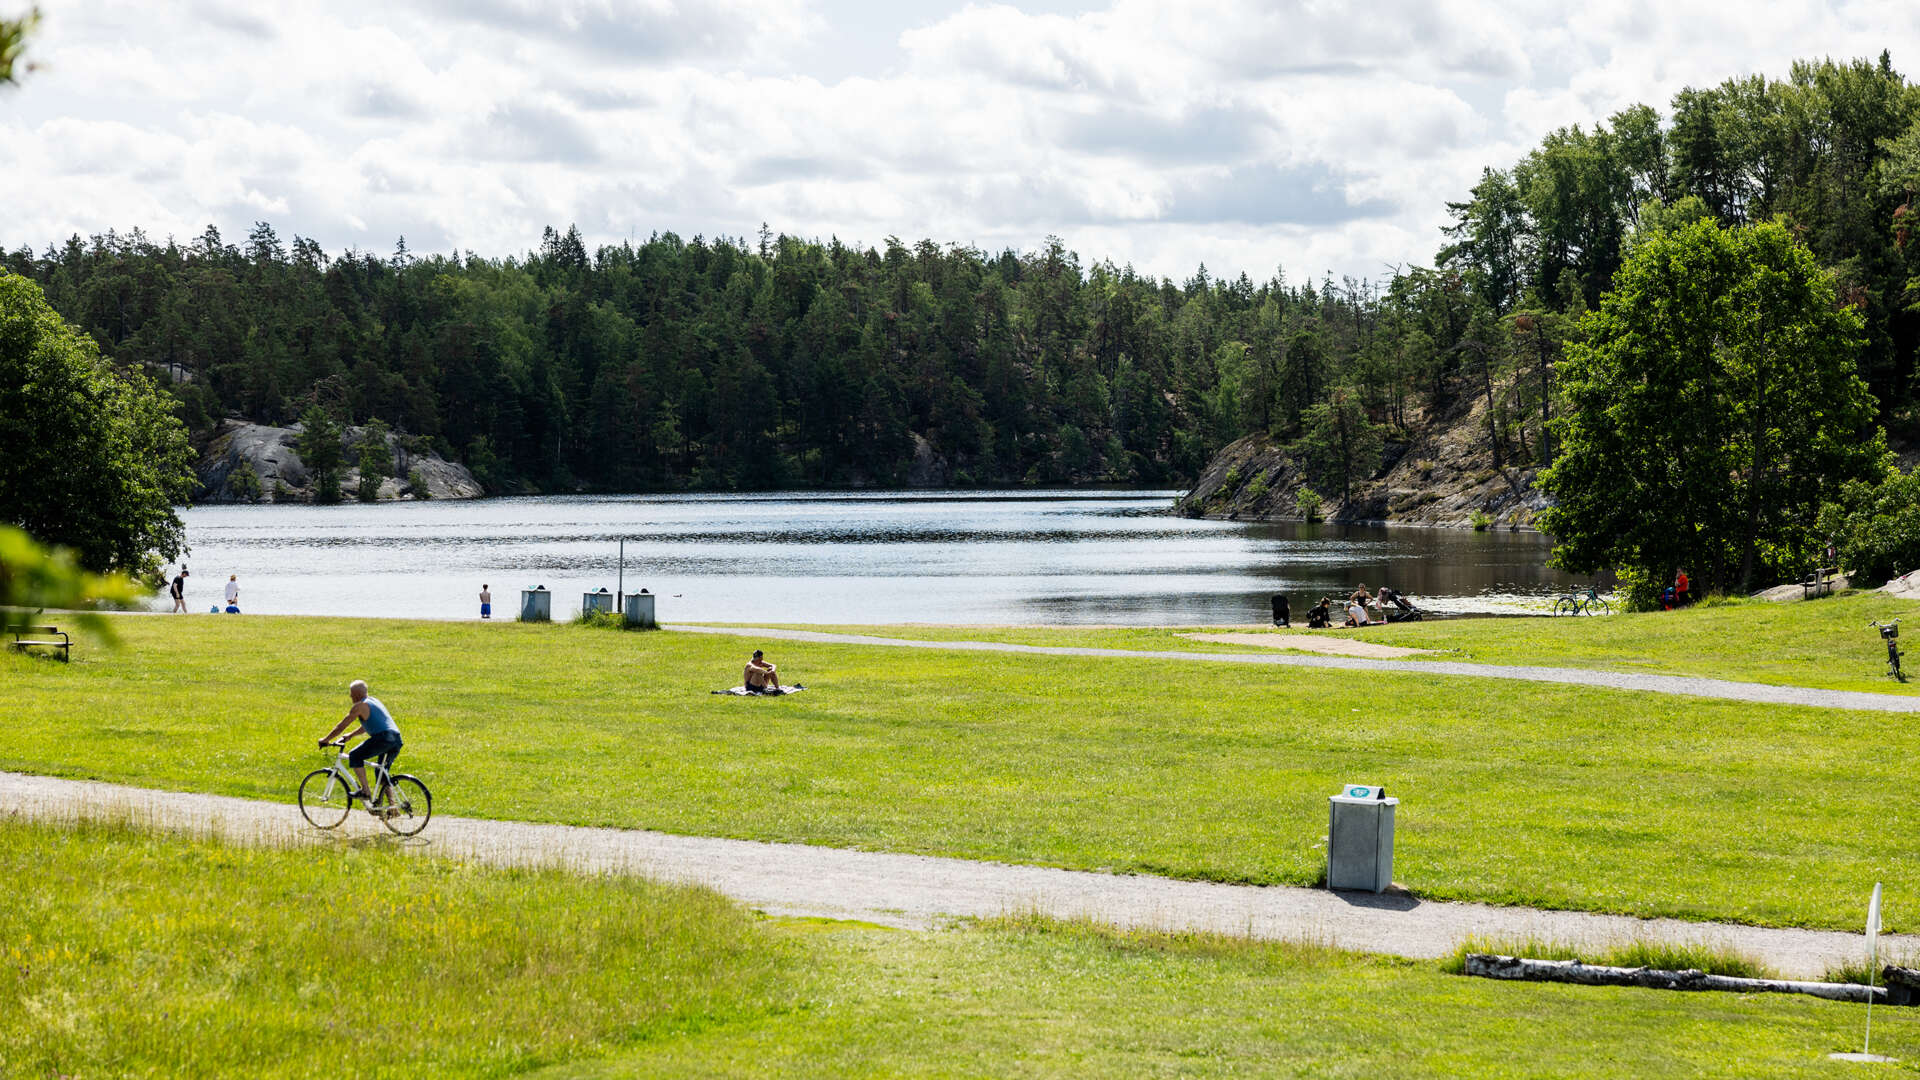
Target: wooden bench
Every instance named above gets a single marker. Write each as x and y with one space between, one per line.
23 643
1818 583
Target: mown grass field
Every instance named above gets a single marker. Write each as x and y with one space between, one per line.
130 953
1541 795
1824 643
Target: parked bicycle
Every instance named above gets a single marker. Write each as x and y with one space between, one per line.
401 802
1890 633
1574 604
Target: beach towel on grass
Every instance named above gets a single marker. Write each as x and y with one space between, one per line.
741 691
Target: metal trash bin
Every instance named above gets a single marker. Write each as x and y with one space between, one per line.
640 610
600 600
536 604
1360 838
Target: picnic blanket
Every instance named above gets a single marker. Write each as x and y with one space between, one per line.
741 691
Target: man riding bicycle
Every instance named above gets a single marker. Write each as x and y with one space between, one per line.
383 735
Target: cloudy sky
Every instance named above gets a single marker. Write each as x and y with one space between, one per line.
1311 135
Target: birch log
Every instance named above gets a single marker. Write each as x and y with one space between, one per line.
1573 971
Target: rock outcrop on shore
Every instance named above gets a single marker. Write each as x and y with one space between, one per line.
272 455
1441 474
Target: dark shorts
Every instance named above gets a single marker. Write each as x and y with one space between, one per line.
385 746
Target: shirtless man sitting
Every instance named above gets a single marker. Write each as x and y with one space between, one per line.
761 676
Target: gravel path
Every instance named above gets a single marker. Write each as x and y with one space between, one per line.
919 892
1689 685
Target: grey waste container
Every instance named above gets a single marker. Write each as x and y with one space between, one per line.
640 610
536 604
601 601
1360 838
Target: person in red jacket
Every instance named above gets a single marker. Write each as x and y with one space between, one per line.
1680 594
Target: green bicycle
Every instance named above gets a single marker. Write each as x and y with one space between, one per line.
1574 604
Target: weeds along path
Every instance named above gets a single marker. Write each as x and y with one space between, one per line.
1689 685
919 892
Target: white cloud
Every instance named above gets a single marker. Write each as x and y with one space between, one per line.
1311 133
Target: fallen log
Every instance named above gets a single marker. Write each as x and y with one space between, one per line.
1488 966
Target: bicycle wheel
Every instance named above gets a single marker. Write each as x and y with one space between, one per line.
1566 605
324 800
1597 606
408 807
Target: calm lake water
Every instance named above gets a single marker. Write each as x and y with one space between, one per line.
958 557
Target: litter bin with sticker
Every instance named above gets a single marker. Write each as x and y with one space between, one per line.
1360 838
640 611
536 604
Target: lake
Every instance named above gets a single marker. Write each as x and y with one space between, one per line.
944 556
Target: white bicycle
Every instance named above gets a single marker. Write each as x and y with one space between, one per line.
401 802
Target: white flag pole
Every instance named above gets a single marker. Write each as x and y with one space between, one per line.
1873 961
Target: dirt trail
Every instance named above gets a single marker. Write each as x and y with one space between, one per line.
919 892
1331 646
1689 685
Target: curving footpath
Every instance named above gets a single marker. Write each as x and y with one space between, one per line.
1689 685
920 892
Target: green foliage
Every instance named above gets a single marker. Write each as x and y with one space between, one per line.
417 484
375 459
245 482
93 458
1307 502
601 620
14 32
1713 404
320 451
34 578
1338 443
1876 525
1257 489
1479 519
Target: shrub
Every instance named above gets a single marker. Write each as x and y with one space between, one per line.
1876 525
418 485
1480 520
1258 489
1307 501
601 620
245 482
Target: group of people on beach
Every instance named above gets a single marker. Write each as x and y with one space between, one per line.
177 591
1363 608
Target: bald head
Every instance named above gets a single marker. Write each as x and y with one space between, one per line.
357 690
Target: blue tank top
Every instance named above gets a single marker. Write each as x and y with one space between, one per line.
379 722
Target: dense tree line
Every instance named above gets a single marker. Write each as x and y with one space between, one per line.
779 361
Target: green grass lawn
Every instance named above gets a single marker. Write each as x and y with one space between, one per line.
1514 793
1824 643
127 953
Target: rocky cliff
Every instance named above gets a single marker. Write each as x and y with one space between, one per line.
269 452
1441 474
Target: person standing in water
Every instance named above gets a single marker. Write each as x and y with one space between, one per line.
486 602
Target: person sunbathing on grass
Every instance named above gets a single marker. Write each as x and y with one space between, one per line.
762 677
